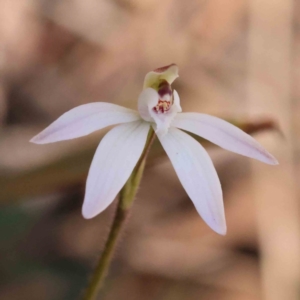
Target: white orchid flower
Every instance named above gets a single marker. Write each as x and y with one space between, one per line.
121 148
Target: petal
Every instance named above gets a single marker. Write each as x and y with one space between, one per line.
83 120
224 135
147 100
114 160
198 176
168 73
176 101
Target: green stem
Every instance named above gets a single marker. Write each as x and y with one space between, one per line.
127 195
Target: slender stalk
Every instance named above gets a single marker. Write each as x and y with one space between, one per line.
127 195
105 259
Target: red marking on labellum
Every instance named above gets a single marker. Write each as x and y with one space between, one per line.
164 88
162 106
163 69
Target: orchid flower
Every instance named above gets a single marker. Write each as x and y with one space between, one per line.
121 148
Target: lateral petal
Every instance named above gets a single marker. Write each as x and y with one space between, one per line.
83 120
176 102
114 160
198 176
148 98
223 134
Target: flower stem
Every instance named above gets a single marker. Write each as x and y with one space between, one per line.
127 195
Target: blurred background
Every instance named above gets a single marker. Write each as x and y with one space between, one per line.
238 59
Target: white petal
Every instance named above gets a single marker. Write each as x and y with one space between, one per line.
176 101
114 160
83 120
147 100
198 176
224 135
